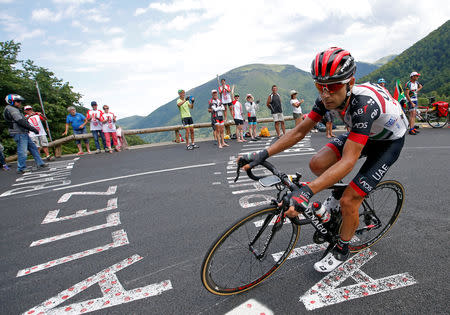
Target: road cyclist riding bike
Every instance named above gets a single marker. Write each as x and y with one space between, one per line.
377 131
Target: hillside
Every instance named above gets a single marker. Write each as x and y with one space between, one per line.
364 68
429 57
384 60
256 79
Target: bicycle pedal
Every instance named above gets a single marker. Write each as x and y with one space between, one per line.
319 238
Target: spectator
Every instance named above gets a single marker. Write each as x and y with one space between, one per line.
3 164
18 130
382 82
186 119
218 108
40 140
251 107
214 100
237 113
94 116
412 88
274 104
78 122
109 129
297 110
328 119
123 144
225 97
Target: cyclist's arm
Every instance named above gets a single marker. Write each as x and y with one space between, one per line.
420 87
407 96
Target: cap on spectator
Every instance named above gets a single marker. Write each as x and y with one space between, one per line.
236 94
213 91
27 107
93 103
180 90
249 95
293 92
414 73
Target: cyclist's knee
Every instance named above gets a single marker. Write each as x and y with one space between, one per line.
350 202
320 163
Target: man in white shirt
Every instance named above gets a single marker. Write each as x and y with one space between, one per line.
35 119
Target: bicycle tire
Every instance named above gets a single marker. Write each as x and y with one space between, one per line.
395 187
210 280
436 121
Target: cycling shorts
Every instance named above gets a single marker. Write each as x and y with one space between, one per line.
187 122
380 156
252 120
238 122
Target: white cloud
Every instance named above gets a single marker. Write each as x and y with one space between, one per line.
6 1
114 31
66 42
46 15
32 34
78 24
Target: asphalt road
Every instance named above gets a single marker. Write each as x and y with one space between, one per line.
165 205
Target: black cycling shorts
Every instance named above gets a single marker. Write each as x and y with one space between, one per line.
187 122
252 120
381 155
238 122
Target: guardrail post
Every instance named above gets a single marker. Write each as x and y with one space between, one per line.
177 136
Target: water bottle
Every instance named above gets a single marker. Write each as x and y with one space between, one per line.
320 212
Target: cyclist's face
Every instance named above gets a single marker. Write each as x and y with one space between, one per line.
335 99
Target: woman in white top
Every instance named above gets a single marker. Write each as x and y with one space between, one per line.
297 110
219 111
108 120
251 107
238 118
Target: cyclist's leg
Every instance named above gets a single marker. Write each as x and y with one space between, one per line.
381 155
328 155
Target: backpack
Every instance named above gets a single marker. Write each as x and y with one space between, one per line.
265 132
442 108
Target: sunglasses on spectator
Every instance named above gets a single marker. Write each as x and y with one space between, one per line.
105 107
330 88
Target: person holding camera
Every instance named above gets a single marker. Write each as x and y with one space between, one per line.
18 130
184 105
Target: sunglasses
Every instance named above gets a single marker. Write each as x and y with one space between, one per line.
330 88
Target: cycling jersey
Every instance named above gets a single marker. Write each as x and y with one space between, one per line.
371 114
95 117
35 121
225 94
412 87
237 109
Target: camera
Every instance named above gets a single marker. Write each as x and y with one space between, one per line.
190 98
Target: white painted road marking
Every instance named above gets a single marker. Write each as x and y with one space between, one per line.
52 216
137 174
113 292
326 291
111 220
251 307
111 191
119 239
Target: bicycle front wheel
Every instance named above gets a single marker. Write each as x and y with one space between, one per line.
377 214
436 121
248 253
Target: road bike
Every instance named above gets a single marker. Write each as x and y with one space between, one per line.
255 246
435 114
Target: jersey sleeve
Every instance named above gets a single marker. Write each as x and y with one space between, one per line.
318 111
363 116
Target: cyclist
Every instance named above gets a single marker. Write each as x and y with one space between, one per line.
377 130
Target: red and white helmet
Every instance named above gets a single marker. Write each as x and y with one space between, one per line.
333 65
11 98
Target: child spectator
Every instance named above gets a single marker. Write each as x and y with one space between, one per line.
123 144
251 107
108 120
297 110
35 119
238 118
219 111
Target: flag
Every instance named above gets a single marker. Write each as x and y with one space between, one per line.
399 95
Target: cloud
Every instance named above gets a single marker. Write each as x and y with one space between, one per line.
114 31
174 7
78 24
72 1
6 1
46 15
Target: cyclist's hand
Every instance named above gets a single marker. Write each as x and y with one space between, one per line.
299 200
252 159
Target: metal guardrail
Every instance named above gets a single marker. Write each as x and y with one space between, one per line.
57 144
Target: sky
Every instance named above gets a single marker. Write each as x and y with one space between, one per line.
134 55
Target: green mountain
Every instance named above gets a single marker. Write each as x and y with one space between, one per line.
256 79
384 60
364 68
429 56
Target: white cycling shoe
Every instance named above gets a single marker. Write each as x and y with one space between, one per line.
330 261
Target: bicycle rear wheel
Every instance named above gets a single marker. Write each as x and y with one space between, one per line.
436 121
231 267
379 211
